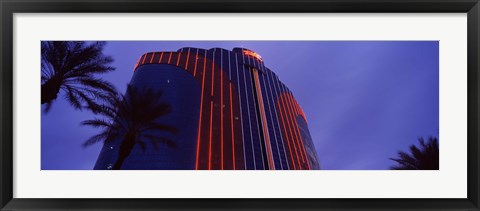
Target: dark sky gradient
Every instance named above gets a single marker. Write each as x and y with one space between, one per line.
364 100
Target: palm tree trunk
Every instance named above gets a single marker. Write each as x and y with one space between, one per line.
125 150
50 91
118 164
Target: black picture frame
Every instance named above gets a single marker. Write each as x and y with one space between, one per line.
9 7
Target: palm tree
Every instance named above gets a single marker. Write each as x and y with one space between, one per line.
70 67
133 119
425 157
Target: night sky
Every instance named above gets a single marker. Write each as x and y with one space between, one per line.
364 100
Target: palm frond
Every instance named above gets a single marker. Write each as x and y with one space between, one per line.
97 123
132 117
424 157
96 138
72 98
68 62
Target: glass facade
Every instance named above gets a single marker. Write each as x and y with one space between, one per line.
233 114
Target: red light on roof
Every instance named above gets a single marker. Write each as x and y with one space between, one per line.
251 53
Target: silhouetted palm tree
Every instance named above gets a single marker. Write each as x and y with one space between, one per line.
70 67
133 119
425 157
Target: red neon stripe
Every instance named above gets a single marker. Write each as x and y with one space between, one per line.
301 146
211 116
293 121
136 65
160 59
294 125
144 57
294 132
290 127
195 69
200 119
298 131
221 117
151 59
210 147
300 140
263 118
178 58
188 57
213 74
303 114
231 124
282 113
169 57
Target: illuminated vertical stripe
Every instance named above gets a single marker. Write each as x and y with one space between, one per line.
263 118
160 59
291 129
290 123
201 110
234 160
222 138
256 116
229 67
211 113
169 57
248 112
213 73
136 65
153 55
241 112
268 119
196 60
294 102
272 111
284 123
231 124
300 140
221 116
178 58
298 129
293 124
188 57
269 97
210 146
277 93
144 57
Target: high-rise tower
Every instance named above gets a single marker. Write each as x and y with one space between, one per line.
233 113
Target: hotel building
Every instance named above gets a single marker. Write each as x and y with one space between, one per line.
232 112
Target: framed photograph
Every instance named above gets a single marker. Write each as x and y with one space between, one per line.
261 105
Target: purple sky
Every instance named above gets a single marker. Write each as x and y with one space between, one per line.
364 100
